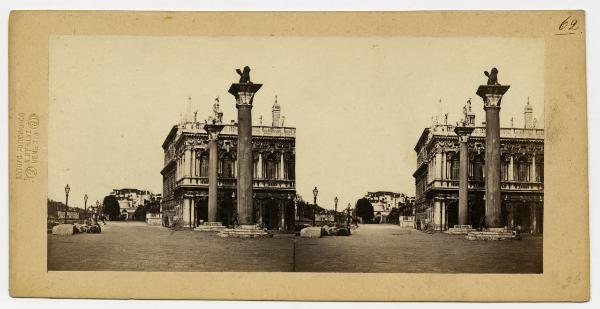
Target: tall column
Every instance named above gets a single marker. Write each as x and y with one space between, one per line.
244 96
192 213
511 169
437 214
532 170
187 162
281 168
492 97
185 212
444 215
533 218
259 173
213 162
444 167
463 174
281 215
438 163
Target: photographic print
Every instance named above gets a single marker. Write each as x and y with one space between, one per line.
383 155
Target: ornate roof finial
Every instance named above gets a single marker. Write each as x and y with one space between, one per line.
218 114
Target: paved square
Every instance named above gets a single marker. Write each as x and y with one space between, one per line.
132 246
388 248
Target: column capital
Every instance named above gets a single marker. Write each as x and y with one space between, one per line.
463 133
244 93
492 95
213 130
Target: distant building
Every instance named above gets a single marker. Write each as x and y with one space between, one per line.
384 201
185 172
522 175
129 199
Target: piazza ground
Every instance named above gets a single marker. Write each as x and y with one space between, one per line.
131 246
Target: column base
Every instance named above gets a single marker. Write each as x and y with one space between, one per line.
493 234
245 231
460 230
210 227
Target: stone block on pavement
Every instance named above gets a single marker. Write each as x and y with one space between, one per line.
63 229
311 232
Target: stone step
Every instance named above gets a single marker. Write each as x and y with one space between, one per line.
460 231
210 228
464 226
244 233
492 235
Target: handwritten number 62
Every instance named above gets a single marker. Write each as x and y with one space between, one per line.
568 24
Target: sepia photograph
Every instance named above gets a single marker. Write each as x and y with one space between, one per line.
299 156
354 155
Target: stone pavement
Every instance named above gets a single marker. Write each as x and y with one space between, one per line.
133 246
388 248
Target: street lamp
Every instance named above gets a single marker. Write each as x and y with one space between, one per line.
85 197
348 214
335 200
67 189
315 193
97 208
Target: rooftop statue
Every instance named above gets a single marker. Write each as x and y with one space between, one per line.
244 75
218 114
492 77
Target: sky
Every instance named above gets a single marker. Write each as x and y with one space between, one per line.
359 104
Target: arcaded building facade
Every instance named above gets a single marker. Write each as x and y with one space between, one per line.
522 176
185 174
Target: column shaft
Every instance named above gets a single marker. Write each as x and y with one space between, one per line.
259 174
213 161
437 214
511 170
463 184
187 162
438 163
492 167
281 168
444 166
532 170
185 212
244 156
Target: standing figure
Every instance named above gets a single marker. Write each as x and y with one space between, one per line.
234 220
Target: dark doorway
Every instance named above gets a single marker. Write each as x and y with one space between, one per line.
270 215
452 209
523 218
226 209
289 216
201 210
476 212
540 219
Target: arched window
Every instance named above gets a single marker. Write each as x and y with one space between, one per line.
255 168
227 166
539 169
454 166
271 167
504 166
522 169
477 167
291 168
204 165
